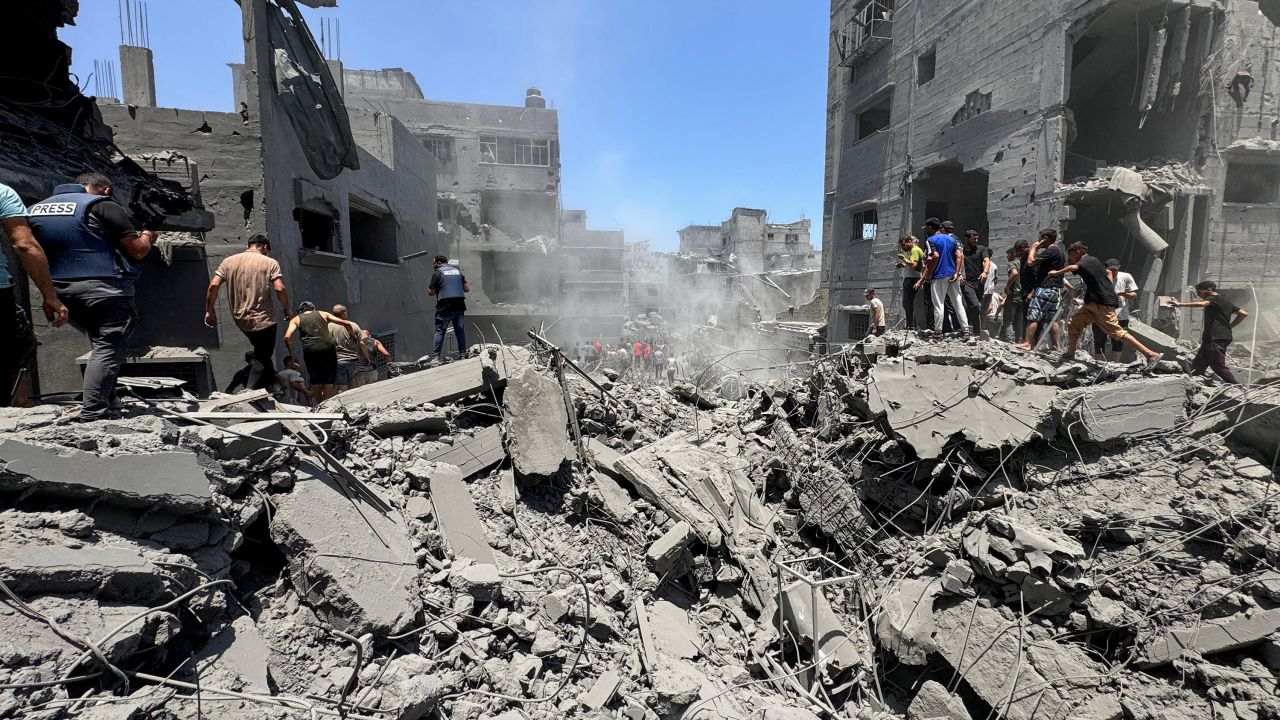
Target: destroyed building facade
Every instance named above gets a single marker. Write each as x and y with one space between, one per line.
361 234
593 291
647 277
1133 125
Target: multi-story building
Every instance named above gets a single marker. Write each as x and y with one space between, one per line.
647 275
1008 116
748 243
346 196
594 289
498 187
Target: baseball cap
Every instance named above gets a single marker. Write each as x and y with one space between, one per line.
868 291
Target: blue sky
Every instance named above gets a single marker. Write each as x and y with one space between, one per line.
671 112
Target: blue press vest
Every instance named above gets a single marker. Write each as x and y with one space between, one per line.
450 283
76 250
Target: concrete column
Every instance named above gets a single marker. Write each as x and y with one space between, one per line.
335 69
137 69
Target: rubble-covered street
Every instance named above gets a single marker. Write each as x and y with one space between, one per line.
918 528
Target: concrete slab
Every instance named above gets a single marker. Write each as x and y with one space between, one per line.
667 552
443 384
1211 636
1101 413
933 702
601 691
474 454
168 480
237 650
398 421
108 572
922 403
537 423
351 563
31 644
643 468
456 513
906 625
673 634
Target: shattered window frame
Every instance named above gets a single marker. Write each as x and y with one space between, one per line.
440 147
1249 182
488 149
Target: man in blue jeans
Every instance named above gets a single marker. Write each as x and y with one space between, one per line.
449 287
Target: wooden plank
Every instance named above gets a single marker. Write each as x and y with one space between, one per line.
474 454
456 513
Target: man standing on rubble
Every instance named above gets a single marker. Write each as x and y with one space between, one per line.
911 262
1015 309
1043 287
1220 317
449 287
319 349
251 277
13 216
367 371
977 268
877 312
944 272
349 348
1099 309
1126 289
92 243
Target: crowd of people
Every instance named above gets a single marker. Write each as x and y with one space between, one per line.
964 295
643 356
80 249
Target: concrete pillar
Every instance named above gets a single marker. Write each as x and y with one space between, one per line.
335 69
137 70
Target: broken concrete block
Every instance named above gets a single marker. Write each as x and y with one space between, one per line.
457 515
1211 636
235 658
472 454
675 685
906 623
1259 427
537 423
1101 413
417 507
170 480
183 536
819 629
412 687
690 394
249 438
545 643
400 421
933 702
444 384
479 580
671 550
673 634
110 572
31 643
349 562
601 691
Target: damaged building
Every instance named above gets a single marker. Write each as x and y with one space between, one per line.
1135 126
345 194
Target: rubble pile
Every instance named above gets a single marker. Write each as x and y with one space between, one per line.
918 528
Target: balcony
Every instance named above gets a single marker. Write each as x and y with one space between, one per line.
870 29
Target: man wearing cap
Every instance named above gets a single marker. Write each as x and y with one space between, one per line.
319 349
877 312
977 268
911 262
1126 289
944 273
1099 307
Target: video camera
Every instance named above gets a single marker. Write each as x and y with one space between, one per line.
151 205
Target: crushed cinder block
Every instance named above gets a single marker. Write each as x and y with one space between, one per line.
1102 413
537 423
601 691
691 394
906 625
933 702
412 688
1210 637
675 684
671 551
353 564
1042 565
169 480
403 421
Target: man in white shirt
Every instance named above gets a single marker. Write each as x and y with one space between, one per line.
877 312
1126 289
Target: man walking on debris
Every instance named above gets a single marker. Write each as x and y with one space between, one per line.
92 243
1126 289
943 272
1014 314
13 216
319 349
977 268
1099 307
910 261
1220 316
251 277
367 370
293 386
1043 287
449 287
349 348
877 312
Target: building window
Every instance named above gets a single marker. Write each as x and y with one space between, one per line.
770 237
440 147
926 66
446 211
373 236
319 231
651 292
793 238
865 224
497 150
488 149
1252 183
875 118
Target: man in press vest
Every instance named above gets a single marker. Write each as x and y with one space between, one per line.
449 287
92 243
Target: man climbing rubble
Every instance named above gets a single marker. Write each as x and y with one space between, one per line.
319 349
449 287
1220 317
1126 289
13 216
92 243
1043 288
251 277
1099 309
351 351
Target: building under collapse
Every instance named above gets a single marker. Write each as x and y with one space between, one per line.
1142 127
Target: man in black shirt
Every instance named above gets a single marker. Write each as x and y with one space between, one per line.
1220 316
1043 288
1100 303
977 266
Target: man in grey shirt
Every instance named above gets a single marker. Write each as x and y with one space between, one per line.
350 350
